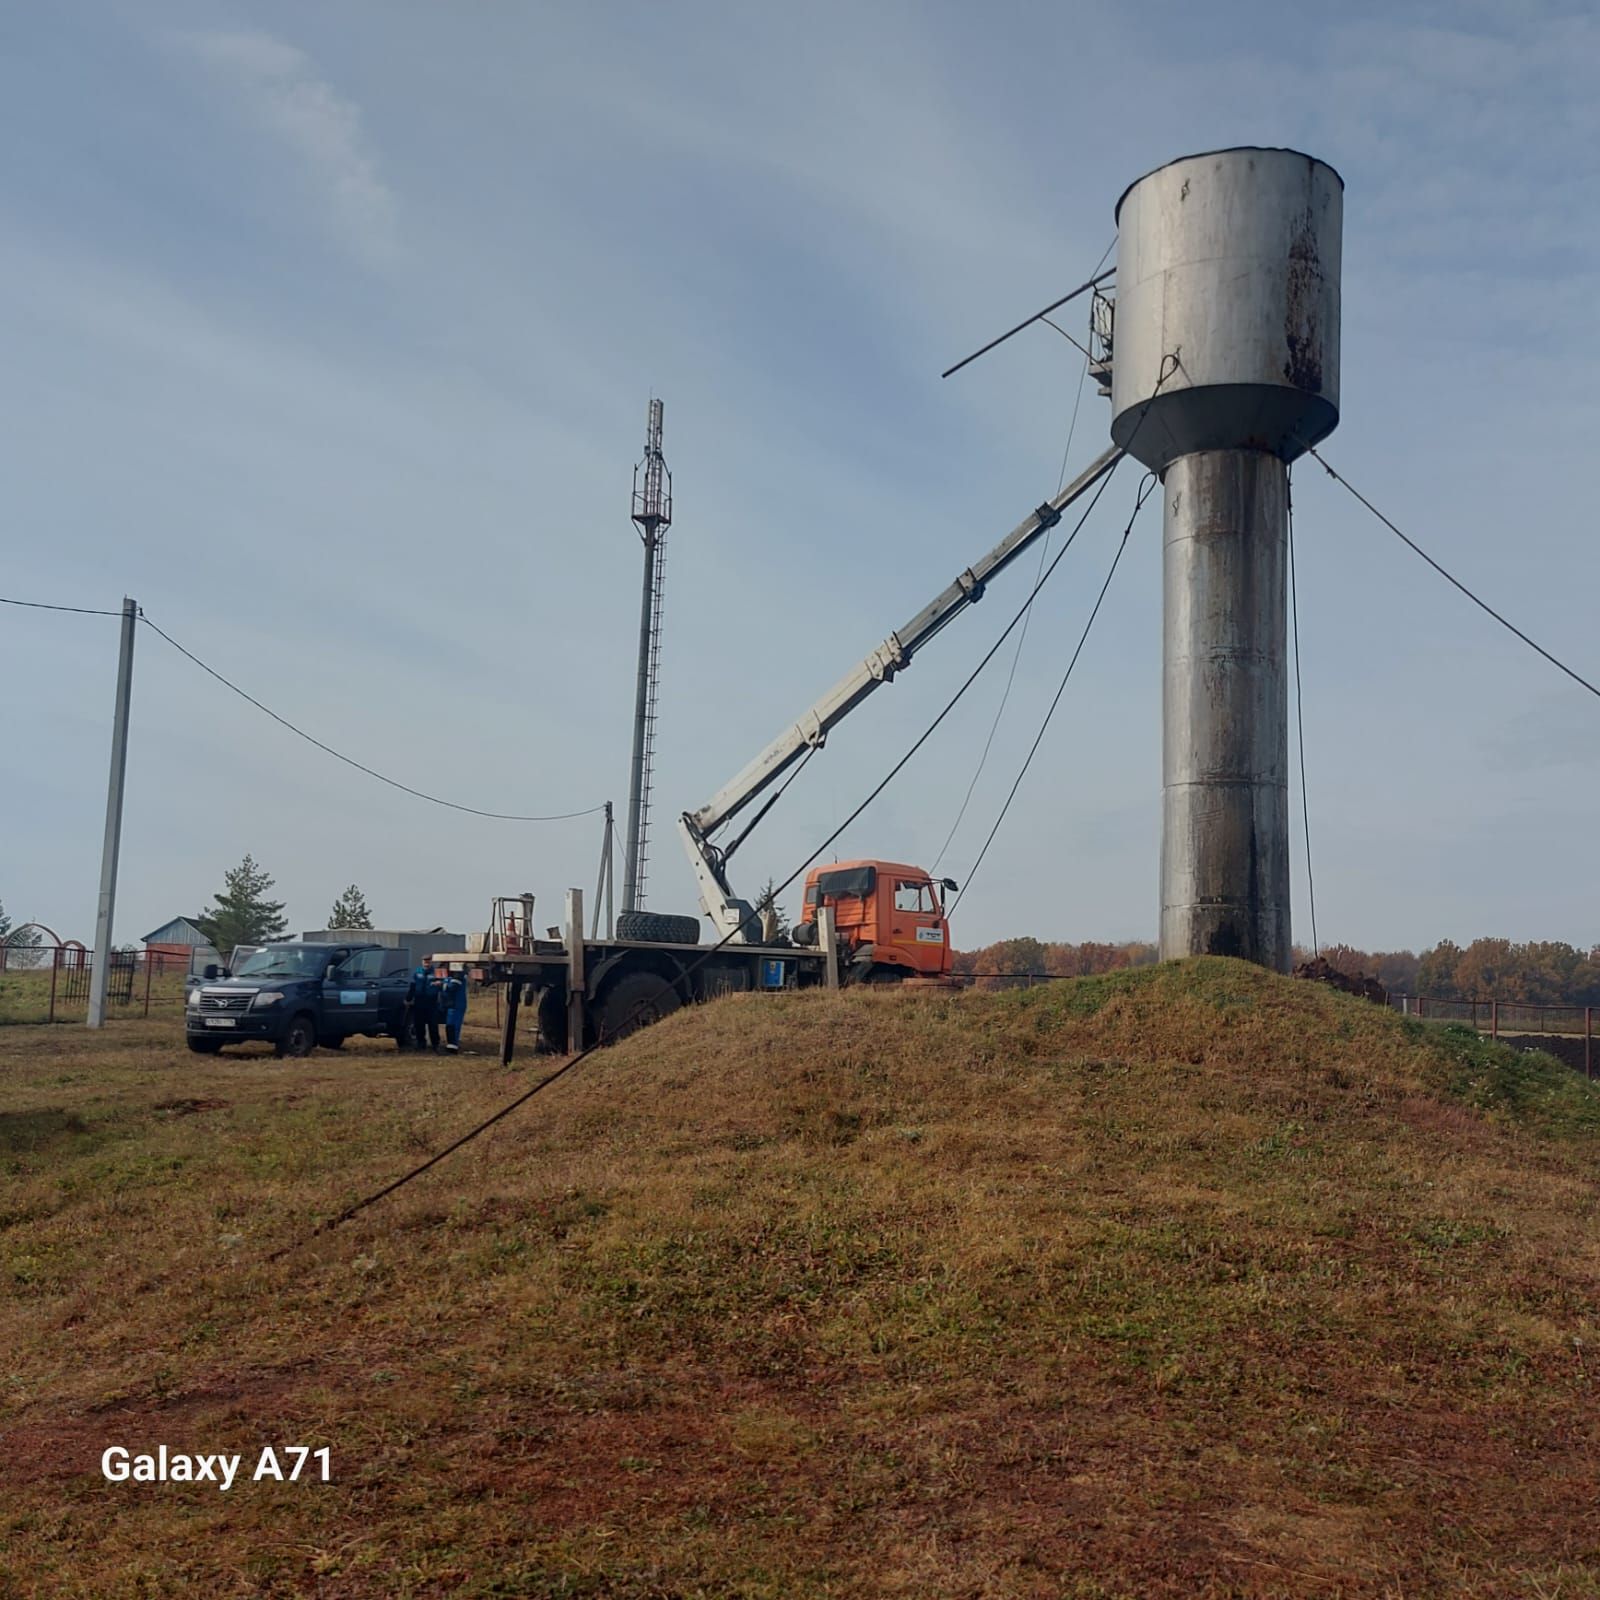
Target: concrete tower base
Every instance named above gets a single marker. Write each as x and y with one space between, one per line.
1225 708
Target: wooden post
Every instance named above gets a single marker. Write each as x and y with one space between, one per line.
829 944
1588 1041
508 1029
1494 1018
574 971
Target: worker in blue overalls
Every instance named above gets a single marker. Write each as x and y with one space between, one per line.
453 1003
423 998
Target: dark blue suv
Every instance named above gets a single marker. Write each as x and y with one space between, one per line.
298 996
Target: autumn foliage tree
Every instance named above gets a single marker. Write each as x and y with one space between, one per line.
1034 958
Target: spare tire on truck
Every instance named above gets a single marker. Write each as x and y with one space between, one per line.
655 927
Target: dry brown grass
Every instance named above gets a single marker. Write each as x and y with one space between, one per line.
1187 1281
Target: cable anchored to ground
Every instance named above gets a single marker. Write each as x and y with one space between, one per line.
350 761
1143 494
1168 366
1022 638
1483 605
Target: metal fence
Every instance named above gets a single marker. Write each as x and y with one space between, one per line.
1565 1031
45 983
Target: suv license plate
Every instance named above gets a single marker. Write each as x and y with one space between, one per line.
221 1022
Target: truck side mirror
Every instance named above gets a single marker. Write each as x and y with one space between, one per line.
950 884
210 971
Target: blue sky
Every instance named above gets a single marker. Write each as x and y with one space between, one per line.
329 333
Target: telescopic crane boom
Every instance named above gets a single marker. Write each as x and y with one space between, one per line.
735 918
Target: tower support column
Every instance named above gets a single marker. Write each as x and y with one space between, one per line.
1225 708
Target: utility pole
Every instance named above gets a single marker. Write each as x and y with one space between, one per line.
100 972
603 882
652 514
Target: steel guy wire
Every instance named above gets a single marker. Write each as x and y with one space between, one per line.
544 1083
1483 605
584 1054
1022 638
1148 483
1300 712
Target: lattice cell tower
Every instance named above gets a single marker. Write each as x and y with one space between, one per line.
652 515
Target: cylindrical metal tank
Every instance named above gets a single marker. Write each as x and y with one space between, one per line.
1228 263
1225 367
1225 743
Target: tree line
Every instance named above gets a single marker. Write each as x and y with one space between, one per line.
1050 960
1538 972
243 913
1546 972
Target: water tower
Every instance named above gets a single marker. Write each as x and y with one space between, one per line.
1225 368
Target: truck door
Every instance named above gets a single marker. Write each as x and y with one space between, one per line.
917 925
350 994
394 984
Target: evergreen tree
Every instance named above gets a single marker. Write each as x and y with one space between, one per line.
243 914
767 902
22 945
350 910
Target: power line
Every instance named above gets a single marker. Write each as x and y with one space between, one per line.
40 605
350 761
1300 715
1138 505
1482 605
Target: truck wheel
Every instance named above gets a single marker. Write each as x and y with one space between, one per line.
299 1038
631 1002
205 1047
655 927
552 1017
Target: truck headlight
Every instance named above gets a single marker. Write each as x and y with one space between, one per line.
267 997
192 998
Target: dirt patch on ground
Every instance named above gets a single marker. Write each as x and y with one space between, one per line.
188 1106
54 1444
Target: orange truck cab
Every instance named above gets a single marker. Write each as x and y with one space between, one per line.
890 918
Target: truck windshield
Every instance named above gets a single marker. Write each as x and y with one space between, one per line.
285 961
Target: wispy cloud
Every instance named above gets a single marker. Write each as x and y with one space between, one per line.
280 86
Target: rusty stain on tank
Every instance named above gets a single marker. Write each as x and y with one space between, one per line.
1304 367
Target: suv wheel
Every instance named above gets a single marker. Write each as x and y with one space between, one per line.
203 1046
299 1038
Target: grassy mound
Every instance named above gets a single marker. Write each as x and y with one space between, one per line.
1191 1280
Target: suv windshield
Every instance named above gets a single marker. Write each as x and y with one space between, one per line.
286 961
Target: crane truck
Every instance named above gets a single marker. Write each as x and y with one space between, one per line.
887 918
